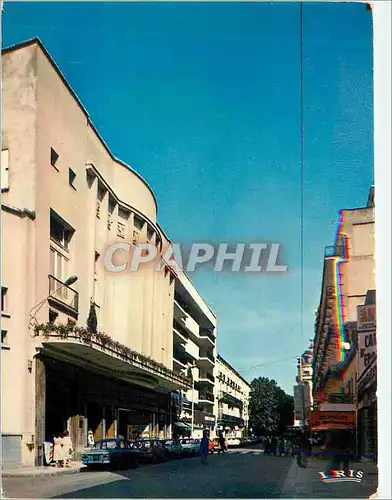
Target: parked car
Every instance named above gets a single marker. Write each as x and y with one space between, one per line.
190 446
112 452
152 450
174 448
217 446
233 442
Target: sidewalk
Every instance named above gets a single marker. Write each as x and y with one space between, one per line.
306 483
42 471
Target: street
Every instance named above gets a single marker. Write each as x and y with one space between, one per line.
242 473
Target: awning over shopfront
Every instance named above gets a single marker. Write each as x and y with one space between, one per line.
111 359
181 425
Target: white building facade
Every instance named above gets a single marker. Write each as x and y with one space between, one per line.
233 393
194 355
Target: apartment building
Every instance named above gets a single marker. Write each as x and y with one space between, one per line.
349 272
233 400
194 355
83 347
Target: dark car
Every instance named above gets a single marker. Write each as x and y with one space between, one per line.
112 452
152 450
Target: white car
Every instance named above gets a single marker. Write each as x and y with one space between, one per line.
233 442
190 446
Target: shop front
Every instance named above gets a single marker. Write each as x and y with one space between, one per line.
97 392
367 378
367 414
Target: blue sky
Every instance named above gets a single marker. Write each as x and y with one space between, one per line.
204 101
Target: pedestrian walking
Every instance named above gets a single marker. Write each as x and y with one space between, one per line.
204 447
90 439
222 443
67 449
58 456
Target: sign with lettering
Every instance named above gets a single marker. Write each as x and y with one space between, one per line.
367 350
325 420
368 378
340 398
366 317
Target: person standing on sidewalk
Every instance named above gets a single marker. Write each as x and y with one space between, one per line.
67 449
222 443
204 447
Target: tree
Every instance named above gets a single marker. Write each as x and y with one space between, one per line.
270 408
92 321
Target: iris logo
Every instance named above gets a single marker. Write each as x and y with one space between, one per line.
340 476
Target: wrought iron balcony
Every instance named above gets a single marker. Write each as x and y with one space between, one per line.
63 296
224 418
231 400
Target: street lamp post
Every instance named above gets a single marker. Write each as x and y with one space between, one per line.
193 400
34 310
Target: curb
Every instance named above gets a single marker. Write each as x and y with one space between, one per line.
40 473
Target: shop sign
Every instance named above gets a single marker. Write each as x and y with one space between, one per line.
337 398
325 420
367 349
366 317
368 378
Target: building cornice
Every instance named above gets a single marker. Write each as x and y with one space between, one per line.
228 365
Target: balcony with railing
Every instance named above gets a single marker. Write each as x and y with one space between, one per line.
206 397
206 380
335 251
207 358
63 297
207 335
231 400
180 332
225 419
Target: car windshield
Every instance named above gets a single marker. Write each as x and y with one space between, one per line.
111 445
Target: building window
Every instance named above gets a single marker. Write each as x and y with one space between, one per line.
58 265
138 222
54 158
71 177
60 231
120 229
52 316
4 170
98 209
3 298
136 237
150 234
96 258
